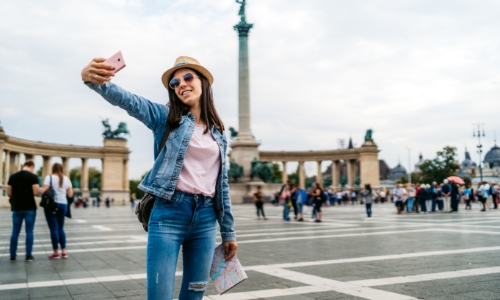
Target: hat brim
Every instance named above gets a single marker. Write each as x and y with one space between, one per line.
165 78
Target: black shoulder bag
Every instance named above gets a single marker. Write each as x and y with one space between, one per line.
144 208
48 198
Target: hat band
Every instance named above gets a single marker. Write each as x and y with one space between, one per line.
181 64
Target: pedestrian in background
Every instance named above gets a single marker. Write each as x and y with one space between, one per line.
318 201
411 198
467 196
22 188
301 197
366 195
55 219
132 200
454 196
285 200
258 198
446 191
397 195
382 195
494 195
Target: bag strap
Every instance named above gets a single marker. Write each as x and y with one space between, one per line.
50 176
166 133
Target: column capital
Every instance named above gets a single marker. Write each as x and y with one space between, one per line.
243 29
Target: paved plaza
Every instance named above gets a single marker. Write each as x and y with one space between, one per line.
390 256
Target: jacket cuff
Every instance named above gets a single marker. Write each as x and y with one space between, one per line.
228 236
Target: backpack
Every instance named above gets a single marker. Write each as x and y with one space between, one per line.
323 196
48 198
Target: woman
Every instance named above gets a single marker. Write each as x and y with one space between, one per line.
467 196
428 199
55 219
411 198
481 194
366 193
318 201
422 196
188 178
286 201
382 195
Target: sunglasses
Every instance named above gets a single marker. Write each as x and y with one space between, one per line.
175 82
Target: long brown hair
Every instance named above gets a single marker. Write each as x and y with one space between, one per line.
208 116
57 169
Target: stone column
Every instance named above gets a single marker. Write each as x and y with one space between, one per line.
13 164
28 157
65 164
18 162
103 177
319 177
244 131
245 148
284 176
7 166
1 166
46 170
335 174
350 181
302 175
84 179
125 174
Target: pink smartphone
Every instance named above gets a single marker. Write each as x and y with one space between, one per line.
116 61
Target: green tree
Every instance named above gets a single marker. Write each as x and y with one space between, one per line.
277 173
403 180
75 173
441 167
132 185
294 177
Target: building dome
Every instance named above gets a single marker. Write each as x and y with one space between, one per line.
493 157
468 163
463 174
398 172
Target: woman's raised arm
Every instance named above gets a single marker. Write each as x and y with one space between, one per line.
97 76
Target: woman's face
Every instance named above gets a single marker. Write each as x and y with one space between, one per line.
188 92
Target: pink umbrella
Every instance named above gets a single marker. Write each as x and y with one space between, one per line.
456 179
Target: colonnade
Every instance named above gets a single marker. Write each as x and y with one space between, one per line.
362 160
114 156
351 171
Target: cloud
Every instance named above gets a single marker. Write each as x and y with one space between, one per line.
419 73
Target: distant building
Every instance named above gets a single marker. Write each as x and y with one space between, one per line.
417 165
398 172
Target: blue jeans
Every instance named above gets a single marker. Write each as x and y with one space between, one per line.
409 204
188 220
17 222
286 212
56 225
300 206
440 204
368 209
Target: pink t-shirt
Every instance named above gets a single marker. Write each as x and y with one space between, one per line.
201 164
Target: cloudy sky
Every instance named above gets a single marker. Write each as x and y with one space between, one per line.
419 73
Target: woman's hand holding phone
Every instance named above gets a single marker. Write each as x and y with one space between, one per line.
97 72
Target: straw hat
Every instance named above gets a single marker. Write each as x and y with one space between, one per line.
186 62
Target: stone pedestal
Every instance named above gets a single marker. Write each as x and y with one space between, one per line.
369 165
114 181
243 152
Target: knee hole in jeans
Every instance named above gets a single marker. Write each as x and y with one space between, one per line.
197 286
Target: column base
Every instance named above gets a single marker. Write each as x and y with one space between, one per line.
244 151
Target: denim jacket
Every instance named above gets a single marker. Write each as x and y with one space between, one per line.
162 179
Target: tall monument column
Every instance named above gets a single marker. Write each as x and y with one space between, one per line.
245 147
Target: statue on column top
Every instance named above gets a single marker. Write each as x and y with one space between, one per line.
241 13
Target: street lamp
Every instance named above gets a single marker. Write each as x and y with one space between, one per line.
479 145
409 164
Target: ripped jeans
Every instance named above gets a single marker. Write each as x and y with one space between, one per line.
188 220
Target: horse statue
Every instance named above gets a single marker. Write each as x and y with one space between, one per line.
368 136
116 134
121 130
233 132
107 133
